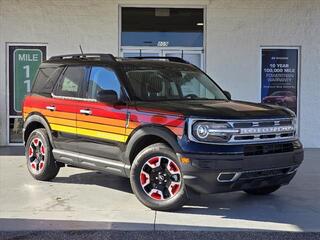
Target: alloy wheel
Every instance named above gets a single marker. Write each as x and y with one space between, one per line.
160 178
36 154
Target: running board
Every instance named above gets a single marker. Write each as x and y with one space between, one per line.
93 163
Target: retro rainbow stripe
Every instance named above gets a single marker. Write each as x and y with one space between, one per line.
105 122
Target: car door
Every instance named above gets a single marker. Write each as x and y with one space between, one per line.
63 107
101 125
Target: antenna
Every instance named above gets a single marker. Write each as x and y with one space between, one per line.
81 49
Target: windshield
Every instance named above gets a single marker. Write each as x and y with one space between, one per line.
161 82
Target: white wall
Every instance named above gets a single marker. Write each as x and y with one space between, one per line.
235 31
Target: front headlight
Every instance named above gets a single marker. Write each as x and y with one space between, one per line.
212 131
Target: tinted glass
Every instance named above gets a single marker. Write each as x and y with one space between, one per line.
163 27
46 80
102 79
171 82
15 130
70 82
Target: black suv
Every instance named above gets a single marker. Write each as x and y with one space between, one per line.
161 122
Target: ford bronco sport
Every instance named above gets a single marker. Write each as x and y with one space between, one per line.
161 122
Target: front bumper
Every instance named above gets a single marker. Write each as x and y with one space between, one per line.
214 173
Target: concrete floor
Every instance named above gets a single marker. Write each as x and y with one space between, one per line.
80 199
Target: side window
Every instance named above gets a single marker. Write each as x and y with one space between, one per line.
102 79
46 79
70 82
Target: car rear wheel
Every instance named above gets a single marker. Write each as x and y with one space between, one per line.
156 178
262 191
40 161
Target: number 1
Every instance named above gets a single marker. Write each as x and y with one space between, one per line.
27 68
27 82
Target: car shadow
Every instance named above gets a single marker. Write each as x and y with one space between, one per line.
285 206
99 179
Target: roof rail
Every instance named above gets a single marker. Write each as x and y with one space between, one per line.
86 56
171 59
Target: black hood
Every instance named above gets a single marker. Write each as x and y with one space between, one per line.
219 109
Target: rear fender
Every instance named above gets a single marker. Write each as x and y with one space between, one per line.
36 118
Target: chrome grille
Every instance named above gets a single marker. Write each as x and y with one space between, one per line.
250 131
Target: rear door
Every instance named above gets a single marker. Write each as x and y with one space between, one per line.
100 125
64 106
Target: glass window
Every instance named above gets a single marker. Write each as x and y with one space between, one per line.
138 54
168 81
46 80
15 129
102 79
162 27
70 82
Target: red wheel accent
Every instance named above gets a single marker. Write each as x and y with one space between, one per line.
42 149
172 167
156 196
41 164
33 165
154 161
36 141
174 188
30 152
144 178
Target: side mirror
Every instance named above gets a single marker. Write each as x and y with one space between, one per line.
108 96
228 94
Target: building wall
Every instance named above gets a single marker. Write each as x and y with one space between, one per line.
236 29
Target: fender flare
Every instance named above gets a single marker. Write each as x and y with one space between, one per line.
151 130
36 117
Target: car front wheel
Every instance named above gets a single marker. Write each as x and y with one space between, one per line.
156 178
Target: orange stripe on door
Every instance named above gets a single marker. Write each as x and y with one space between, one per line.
66 122
107 121
49 113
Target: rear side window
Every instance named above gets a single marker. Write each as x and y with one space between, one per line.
70 82
46 80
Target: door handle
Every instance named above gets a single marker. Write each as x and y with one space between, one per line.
51 108
86 111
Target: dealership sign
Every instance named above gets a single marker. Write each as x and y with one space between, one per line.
23 65
279 77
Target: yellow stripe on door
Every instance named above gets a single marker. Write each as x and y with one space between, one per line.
103 135
101 127
61 128
90 133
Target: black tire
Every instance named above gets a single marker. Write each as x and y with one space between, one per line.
49 168
262 191
176 200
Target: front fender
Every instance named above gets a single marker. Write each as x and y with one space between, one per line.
151 130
